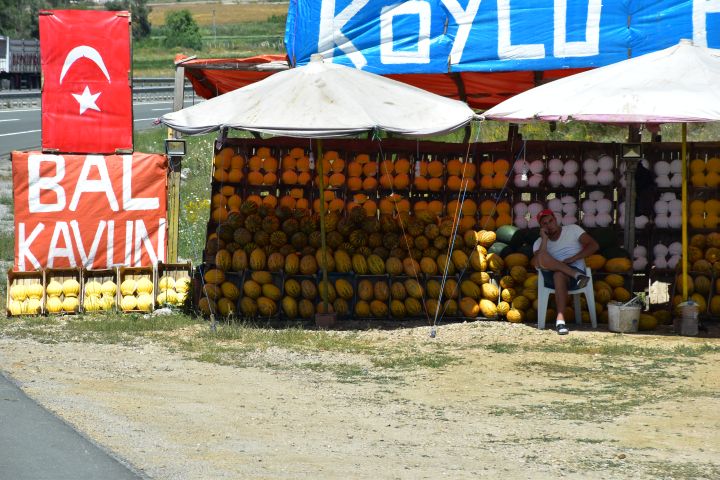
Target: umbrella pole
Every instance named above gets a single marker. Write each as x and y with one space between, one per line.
323 246
683 155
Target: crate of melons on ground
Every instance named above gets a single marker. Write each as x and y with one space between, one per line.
407 296
372 297
99 289
300 295
25 292
217 291
174 285
340 291
137 289
63 293
261 294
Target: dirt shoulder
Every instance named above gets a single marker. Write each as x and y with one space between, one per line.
514 402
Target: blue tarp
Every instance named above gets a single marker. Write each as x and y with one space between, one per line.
439 36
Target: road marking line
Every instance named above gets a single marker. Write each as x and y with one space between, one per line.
18 133
10 120
159 109
144 119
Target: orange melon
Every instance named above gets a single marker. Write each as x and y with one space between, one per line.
436 168
370 183
269 178
354 169
402 165
401 180
354 183
435 184
255 178
288 162
238 161
303 178
289 177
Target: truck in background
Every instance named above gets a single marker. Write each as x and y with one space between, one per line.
19 63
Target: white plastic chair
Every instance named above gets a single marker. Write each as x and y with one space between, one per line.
544 296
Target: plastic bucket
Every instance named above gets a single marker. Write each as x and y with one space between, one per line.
687 324
623 318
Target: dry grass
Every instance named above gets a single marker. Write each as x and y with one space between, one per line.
224 14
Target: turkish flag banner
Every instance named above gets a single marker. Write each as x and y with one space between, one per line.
87 91
89 211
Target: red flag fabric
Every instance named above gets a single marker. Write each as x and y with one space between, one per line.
87 93
92 211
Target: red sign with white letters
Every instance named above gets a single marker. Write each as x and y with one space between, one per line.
87 94
92 211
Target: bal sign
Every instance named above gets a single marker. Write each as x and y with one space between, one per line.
92 211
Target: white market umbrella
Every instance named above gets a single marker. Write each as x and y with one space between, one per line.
674 85
321 100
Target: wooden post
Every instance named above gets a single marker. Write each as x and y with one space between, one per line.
174 168
683 160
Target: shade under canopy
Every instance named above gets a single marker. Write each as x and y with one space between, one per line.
677 84
321 100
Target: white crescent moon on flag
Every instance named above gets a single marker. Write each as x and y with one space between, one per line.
80 52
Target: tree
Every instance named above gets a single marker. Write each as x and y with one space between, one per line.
140 15
18 18
181 30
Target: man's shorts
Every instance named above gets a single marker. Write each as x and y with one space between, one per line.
548 276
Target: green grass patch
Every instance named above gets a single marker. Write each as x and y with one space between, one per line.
129 324
6 199
667 469
500 347
291 339
7 245
414 360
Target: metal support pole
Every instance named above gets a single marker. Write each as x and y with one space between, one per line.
321 180
175 166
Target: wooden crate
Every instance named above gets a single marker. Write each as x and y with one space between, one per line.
25 278
135 273
61 275
101 276
174 271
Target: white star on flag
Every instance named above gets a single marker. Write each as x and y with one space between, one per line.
87 100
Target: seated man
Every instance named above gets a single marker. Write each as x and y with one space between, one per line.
559 253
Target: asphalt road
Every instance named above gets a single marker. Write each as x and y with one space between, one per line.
20 129
35 445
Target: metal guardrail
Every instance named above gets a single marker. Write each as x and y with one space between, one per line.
152 90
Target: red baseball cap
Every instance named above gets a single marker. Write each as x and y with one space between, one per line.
544 213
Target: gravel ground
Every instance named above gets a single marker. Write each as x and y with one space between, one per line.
507 408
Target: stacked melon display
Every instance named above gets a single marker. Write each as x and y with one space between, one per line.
494 174
362 173
99 295
528 174
296 168
429 175
705 214
704 265
705 174
257 238
173 290
228 166
460 175
599 171
62 295
25 298
137 293
262 168
562 173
